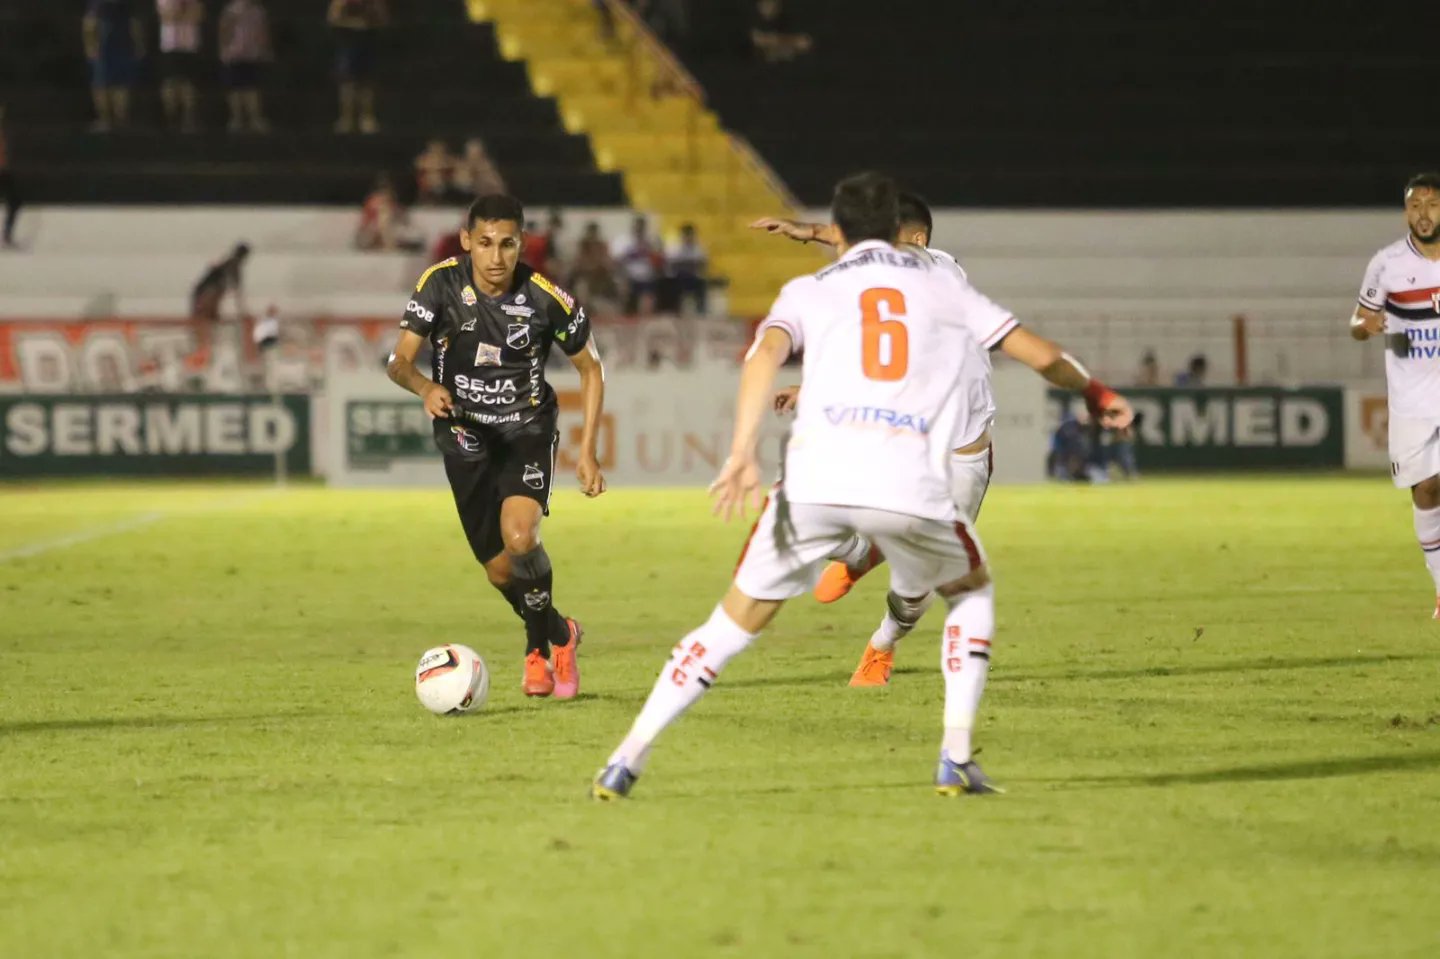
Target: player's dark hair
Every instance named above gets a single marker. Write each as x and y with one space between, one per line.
495 206
914 210
867 207
1429 180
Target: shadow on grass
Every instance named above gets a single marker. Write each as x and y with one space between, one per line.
1278 772
140 722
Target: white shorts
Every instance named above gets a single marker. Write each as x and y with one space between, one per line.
969 480
792 542
1414 450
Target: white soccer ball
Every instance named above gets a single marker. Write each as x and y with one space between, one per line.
452 680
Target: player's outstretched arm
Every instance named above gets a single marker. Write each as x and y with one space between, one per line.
739 479
1060 368
1366 323
402 370
592 395
824 233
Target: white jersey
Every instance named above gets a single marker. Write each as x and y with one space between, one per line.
884 334
975 371
1405 285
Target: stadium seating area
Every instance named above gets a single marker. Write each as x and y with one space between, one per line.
440 75
1084 103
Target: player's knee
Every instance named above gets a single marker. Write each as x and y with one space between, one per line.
904 610
977 578
520 538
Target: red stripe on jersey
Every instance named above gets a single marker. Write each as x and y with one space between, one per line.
1009 320
972 552
746 548
1415 296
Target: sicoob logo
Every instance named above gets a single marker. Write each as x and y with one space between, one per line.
427 315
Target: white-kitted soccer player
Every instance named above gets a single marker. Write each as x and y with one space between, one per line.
1400 297
972 462
883 331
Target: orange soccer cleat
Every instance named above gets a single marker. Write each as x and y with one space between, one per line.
567 669
539 680
874 668
839 578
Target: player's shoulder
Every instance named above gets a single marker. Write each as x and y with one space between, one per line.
445 268
1393 251
550 288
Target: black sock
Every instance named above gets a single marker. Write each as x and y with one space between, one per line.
559 632
530 591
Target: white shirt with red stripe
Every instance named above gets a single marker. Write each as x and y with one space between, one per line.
975 371
885 335
1405 285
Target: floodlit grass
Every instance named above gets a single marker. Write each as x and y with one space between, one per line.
1214 702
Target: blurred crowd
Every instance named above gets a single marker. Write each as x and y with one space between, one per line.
772 31
118 34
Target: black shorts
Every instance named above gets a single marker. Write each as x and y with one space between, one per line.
242 75
521 465
180 65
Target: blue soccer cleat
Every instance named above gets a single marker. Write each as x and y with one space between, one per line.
614 782
952 778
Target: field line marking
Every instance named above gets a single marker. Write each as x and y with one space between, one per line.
141 521
82 536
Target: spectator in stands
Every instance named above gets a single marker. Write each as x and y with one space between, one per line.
559 247
244 48
384 221
475 175
774 35
180 22
1068 450
7 189
640 261
593 277
225 276
1194 373
1149 374
356 23
447 244
435 174
685 263
541 251
114 42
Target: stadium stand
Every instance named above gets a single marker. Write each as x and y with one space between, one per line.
440 75
1082 103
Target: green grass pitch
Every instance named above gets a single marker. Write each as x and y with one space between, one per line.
1214 703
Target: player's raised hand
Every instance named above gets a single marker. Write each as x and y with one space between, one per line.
737 485
438 401
803 232
786 399
592 481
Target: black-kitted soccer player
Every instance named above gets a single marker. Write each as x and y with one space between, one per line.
491 323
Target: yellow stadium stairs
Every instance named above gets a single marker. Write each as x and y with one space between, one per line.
646 120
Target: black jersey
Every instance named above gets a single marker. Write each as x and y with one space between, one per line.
490 353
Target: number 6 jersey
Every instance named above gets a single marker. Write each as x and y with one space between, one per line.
885 389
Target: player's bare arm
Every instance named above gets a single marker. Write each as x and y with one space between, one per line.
402 371
739 479
824 233
592 394
1366 323
1063 370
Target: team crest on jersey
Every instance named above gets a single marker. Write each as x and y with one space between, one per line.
487 354
520 299
566 301
468 297
465 439
518 336
533 477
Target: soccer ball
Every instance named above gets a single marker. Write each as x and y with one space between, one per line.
452 680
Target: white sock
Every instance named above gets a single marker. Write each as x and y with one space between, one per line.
855 553
694 664
965 662
901 615
1427 531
